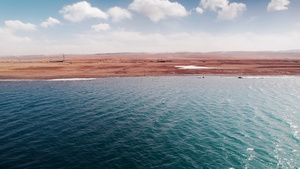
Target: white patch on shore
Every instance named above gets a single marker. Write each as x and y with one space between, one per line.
71 79
194 67
269 77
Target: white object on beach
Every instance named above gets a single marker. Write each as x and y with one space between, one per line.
72 79
194 67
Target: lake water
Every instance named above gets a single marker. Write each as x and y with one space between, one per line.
151 122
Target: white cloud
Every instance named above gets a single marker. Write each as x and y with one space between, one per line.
158 9
119 14
50 22
199 10
214 4
278 5
18 25
101 27
226 10
231 11
80 11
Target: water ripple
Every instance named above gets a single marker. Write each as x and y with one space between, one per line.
152 122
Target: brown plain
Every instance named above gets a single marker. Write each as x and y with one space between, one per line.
145 64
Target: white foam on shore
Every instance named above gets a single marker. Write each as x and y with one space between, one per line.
269 76
254 77
71 79
194 67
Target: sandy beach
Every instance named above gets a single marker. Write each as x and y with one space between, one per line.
145 64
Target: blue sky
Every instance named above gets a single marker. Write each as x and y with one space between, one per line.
101 26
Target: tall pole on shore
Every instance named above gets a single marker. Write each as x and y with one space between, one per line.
144 68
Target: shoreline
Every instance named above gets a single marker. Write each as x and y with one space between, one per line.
138 65
115 77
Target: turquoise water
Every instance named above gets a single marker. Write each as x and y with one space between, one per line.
151 122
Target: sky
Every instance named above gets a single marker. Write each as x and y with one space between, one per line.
35 27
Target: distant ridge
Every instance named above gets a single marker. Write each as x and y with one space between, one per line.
219 53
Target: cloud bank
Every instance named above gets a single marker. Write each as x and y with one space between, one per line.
157 10
131 41
81 11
